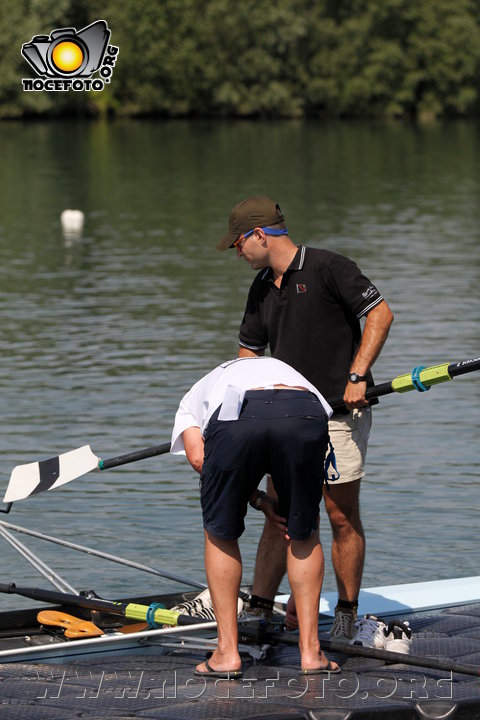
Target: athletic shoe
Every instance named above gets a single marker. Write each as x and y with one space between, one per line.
398 637
201 606
374 633
343 625
370 632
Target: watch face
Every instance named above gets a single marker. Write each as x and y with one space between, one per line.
355 377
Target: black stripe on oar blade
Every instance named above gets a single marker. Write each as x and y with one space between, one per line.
49 471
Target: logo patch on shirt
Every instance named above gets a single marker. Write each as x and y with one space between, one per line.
369 292
301 288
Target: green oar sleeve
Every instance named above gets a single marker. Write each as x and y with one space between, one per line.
428 376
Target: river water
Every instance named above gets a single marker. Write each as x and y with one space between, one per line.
100 337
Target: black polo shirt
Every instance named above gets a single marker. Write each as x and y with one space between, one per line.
312 321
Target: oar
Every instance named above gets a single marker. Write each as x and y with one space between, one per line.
153 614
421 378
386 656
36 477
33 478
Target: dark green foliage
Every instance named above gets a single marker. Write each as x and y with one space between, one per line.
273 59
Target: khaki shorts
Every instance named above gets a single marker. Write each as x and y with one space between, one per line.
349 436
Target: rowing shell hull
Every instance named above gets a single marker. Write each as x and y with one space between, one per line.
21 641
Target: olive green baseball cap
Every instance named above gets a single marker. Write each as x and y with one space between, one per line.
258 211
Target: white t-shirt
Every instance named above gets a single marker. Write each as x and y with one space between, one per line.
226 385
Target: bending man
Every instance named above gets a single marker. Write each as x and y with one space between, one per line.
249 417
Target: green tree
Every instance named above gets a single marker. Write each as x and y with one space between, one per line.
278 58
443 50
394 58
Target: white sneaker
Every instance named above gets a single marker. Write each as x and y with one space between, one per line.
370 632
398 637
343 628
201 606
374 633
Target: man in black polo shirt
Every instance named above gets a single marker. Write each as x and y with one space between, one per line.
305 304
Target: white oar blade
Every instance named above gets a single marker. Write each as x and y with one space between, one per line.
37 477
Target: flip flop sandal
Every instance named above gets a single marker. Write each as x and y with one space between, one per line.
322 671
223 674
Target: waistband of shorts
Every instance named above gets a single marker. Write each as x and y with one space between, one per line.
280 393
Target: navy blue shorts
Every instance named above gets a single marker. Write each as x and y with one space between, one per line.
280 432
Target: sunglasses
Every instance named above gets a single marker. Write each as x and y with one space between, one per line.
239 242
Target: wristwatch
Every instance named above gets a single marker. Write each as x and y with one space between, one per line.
257 503
356 378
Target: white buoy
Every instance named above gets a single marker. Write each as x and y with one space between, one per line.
72 224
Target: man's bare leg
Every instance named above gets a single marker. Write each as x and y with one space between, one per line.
305 563
271 560
348 545
223 565
342 504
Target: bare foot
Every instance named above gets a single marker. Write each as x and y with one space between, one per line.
222 663
319 663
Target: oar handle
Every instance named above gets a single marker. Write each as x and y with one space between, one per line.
372 392
403 383
134 456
